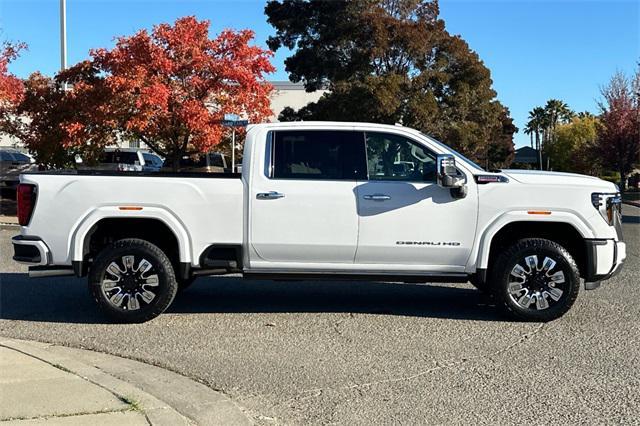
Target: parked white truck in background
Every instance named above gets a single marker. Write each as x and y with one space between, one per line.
320 200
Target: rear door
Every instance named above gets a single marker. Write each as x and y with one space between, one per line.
303 205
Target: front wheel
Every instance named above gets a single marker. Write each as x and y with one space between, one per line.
132 281
536 280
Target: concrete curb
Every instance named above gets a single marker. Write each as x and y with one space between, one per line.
166 398
10 227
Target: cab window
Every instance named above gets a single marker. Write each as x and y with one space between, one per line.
395 157
318 155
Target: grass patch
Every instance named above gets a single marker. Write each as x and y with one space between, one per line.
133 403
60 367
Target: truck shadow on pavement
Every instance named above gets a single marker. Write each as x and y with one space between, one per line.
66 300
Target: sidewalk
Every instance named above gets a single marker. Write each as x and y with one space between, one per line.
47 384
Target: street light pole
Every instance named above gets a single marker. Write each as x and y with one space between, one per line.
63 35
233 151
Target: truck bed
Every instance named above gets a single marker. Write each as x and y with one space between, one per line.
209 205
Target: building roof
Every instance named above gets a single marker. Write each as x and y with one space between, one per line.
286 85
526 155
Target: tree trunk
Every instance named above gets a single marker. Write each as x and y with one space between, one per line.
176 160
623 181
539 147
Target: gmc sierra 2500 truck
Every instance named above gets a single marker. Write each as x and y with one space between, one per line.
325 200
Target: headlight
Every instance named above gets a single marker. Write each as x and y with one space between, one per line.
608 205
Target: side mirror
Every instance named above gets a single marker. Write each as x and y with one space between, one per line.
448 176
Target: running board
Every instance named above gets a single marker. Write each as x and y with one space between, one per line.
426 277
49 271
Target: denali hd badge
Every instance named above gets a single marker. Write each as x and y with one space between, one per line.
427 243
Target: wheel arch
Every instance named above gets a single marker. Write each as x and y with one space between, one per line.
564 228
151 223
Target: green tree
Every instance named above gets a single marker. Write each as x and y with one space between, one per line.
572 151
391 61
543 122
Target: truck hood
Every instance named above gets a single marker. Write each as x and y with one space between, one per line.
539 177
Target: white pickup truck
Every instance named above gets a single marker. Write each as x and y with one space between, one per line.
325 200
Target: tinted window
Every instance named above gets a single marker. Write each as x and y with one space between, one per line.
215 160
21 157
5 156
394 157
151 159
330 155
122 157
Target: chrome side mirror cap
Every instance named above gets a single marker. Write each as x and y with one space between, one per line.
448 176
447 173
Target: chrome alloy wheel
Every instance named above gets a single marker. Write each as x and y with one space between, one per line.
536 286
127 286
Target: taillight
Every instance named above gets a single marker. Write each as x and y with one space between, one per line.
26 195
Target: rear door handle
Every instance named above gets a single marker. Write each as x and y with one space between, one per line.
271 195
377 197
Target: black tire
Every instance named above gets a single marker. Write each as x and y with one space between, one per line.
131 286
183 284
553 298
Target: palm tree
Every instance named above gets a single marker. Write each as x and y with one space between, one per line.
556 111
536 126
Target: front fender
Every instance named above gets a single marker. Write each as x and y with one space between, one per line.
84 225
479 258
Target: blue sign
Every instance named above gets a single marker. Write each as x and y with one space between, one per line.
233 120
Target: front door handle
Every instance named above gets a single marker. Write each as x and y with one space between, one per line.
377 197
271 195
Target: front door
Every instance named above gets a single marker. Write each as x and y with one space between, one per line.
405 217
304 208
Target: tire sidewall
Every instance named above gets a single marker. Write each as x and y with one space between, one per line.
167 285
542 249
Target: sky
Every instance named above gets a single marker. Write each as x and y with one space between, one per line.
536 50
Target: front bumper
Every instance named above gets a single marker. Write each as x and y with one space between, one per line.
604 259
30 251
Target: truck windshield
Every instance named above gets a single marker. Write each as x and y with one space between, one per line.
468 162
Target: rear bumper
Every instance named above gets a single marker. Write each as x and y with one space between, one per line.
30 251
604 259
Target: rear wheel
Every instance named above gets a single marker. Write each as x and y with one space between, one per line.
132 281
536 280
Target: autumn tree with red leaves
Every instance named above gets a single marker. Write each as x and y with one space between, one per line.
171 88
48 118
11 87
618 144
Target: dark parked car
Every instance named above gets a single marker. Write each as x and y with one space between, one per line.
212 162
12 163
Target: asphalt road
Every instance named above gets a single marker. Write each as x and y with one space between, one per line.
367 353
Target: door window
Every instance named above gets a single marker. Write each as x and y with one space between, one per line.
319 155
5 156
394 157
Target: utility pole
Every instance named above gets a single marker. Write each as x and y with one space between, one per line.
63 38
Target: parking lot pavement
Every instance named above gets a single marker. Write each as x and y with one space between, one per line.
361 353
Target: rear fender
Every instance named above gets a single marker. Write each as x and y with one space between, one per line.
81 230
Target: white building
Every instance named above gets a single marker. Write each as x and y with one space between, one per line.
285 94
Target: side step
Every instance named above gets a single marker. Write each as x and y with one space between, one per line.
50 271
